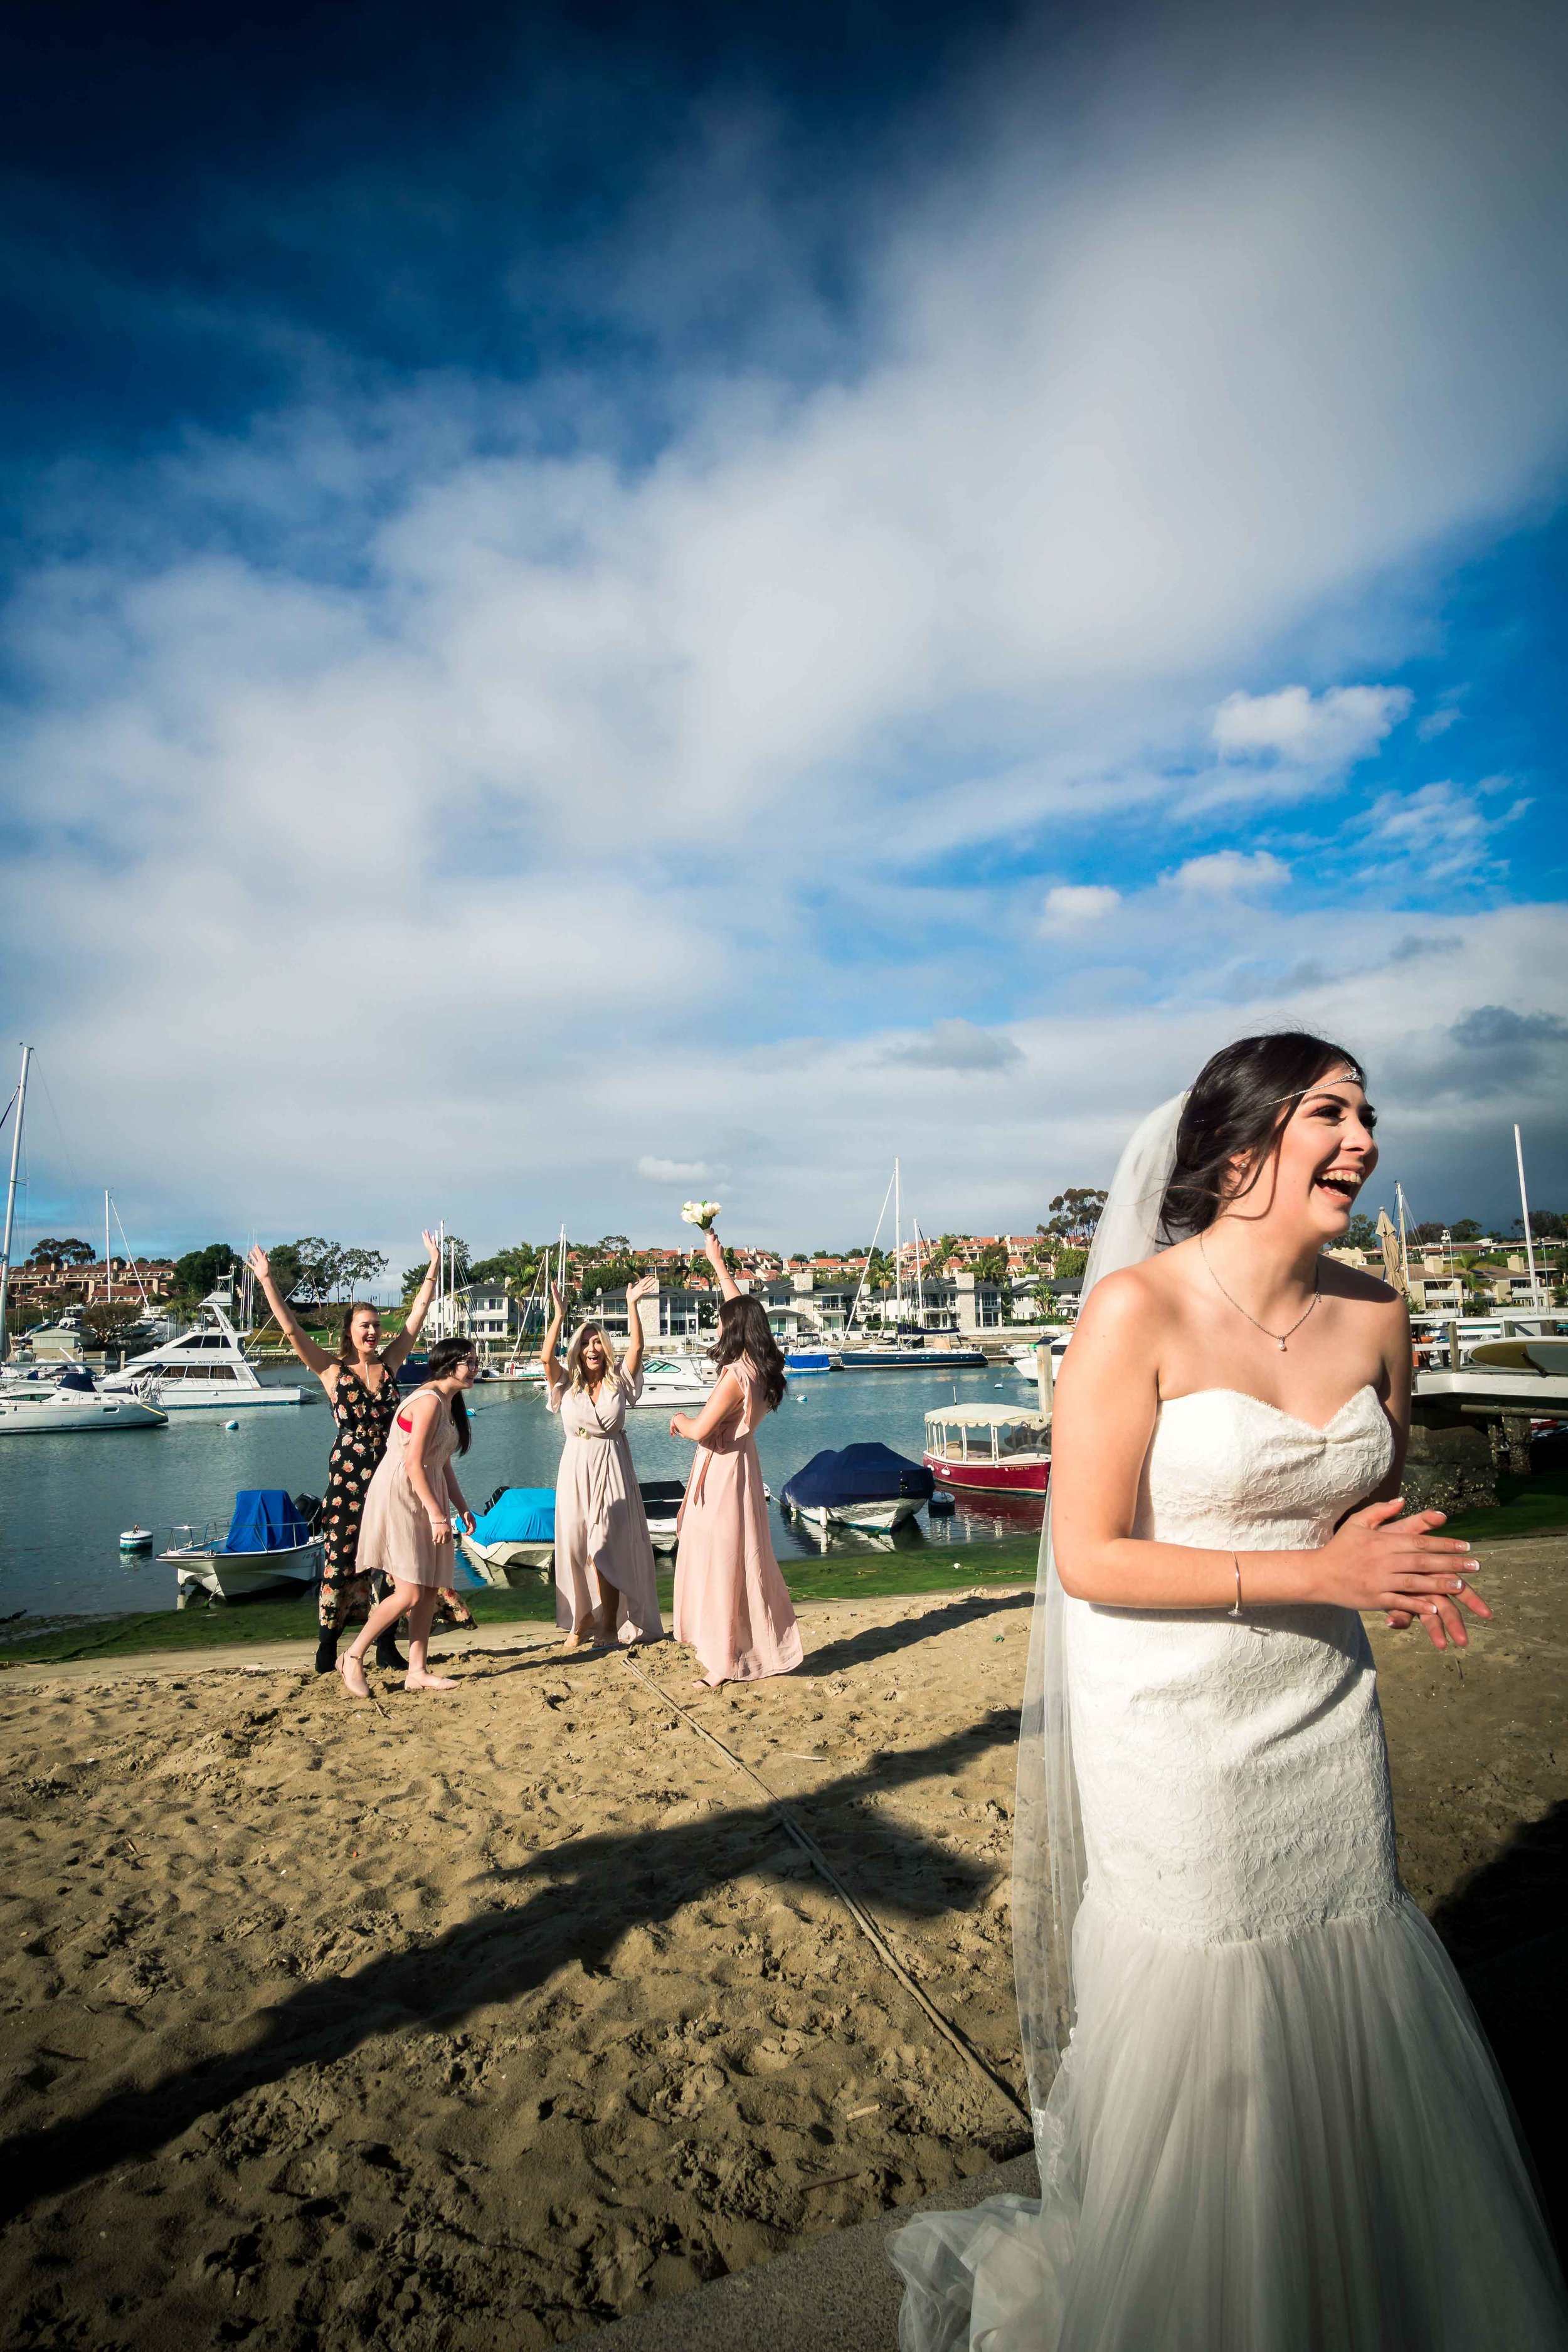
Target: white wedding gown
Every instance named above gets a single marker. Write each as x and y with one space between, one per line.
1277 2127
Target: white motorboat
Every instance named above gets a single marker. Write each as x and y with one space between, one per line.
673 1386
513 1541
1506 1376
205 1368
266 1543
71 1402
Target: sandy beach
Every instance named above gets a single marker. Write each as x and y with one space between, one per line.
509 2009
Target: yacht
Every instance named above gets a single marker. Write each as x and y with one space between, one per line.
37 1408
910 1352
676 1386
205 1370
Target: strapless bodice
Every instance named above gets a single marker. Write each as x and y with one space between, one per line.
1227 1468
1232 1776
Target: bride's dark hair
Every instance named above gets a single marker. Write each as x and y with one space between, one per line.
1237 1110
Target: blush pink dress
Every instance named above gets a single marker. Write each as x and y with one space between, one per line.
730 1602
394 1534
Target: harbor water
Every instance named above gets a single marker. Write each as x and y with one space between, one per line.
64 1499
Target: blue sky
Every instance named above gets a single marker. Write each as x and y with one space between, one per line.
601 603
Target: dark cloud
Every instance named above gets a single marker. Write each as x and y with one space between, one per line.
1491 1026
1489 1052
957 1046
1417 944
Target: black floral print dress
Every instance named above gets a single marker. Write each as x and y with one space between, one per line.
364 1416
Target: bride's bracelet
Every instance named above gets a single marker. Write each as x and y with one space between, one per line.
1235 1609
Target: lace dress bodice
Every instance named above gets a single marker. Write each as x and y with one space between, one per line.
1232 1773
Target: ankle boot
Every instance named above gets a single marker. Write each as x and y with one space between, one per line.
326 1651
387 1654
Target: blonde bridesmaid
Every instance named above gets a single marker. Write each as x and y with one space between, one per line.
732 1605
606 1581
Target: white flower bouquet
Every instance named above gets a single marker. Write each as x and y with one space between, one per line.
699 1213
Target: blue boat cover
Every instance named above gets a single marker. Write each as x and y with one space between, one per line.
265 1519
861 1474
522 1515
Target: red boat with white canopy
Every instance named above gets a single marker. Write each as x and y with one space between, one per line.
989 1448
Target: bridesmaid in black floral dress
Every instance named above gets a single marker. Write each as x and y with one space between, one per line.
364 1415
362 1389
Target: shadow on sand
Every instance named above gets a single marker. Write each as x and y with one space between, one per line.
511 1949
1507 1928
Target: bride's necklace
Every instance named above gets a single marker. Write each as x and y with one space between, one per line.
1279 1337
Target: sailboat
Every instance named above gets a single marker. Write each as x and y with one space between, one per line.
909 1349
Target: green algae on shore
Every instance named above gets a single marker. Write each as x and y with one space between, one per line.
291 1616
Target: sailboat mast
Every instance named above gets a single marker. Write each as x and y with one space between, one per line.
1524 1205
1404 1244
898 1247
11 1194
108 1261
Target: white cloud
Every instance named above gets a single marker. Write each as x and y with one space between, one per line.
560 747
1328 730
1441 831
1225 871
678 1171
1070 904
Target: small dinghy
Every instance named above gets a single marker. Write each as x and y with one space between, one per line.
267 1542
865 1486
513 1540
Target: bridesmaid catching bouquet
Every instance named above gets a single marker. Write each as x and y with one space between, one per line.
732 1605
606 1586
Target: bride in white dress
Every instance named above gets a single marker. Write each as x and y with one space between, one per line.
1265 2115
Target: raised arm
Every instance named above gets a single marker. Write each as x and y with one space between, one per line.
1106 1402
553 1375
644 1287
727 1282
320 1360
395 1350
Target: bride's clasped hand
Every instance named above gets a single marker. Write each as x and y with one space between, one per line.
1381 1558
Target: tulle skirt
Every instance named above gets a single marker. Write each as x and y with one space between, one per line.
1294 2144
